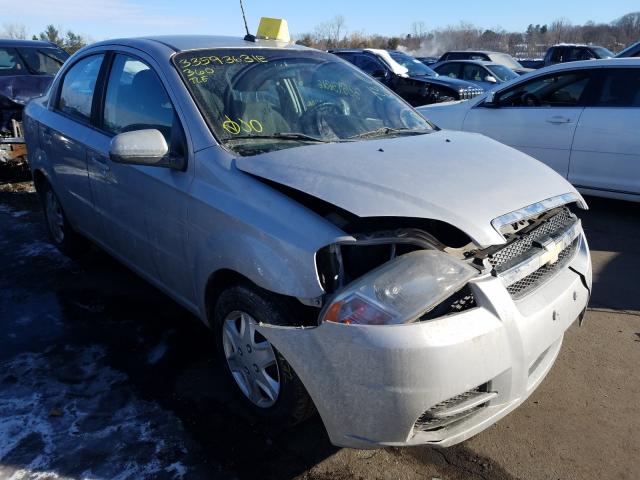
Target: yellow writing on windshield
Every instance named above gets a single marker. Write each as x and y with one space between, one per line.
235 127
220 60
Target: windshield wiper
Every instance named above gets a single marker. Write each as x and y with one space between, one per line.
378 132
280 136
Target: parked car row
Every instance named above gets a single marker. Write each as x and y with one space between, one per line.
580 118
408 77
26 71
411 284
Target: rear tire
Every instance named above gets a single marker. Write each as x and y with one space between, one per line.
59 229
264 382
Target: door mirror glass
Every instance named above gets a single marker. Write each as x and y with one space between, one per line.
143 147
490 79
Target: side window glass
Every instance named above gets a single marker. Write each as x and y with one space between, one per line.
556 54
136 100
450 70
10 63
78 85
620 88
368 64
473 73
562 90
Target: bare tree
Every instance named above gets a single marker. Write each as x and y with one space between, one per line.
14 30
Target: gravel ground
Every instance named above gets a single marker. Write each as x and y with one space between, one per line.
104 377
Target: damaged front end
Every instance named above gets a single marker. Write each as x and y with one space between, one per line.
15 93
425 337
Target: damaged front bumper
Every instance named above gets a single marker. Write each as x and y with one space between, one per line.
439 381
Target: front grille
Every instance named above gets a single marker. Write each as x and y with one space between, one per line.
470 93
555 224
537 278
454 409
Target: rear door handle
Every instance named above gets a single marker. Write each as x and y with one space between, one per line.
47 139
558 119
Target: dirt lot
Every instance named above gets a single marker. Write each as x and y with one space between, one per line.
102 376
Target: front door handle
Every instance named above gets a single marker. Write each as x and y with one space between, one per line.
558 120
100 162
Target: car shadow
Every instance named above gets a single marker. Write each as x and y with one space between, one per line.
612 228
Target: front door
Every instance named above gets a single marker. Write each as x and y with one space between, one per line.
144 208
538 117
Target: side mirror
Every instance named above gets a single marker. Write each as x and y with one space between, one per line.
143 147
490 79
379 74
490 100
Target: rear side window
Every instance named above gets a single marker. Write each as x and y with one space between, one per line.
136 100
10 63
620 88
78 85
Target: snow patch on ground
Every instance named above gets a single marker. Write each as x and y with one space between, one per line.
67 415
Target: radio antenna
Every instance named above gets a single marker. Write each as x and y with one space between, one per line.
248 37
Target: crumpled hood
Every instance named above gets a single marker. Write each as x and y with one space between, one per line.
464 179
19 89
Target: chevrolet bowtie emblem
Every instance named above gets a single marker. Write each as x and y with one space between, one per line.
551 253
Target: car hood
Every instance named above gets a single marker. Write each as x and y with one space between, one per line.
464 179
443 80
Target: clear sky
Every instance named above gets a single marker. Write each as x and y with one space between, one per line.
102 19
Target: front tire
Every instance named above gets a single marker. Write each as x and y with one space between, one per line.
265 383
60 231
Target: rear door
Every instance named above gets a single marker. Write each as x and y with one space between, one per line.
606 148
63 131
537 116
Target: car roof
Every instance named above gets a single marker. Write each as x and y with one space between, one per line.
488 52
604 62
180 43
486 63
12 42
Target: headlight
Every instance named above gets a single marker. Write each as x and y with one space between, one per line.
399 291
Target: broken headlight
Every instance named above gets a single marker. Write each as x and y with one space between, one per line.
399 291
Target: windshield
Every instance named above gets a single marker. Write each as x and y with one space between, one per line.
43 60
31 60
415 66
602 52
259 99
503 73
505 59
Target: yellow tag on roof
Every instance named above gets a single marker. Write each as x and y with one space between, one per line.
273 29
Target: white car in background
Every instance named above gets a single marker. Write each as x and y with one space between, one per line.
581 118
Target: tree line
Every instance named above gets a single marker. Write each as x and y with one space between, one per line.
421 41
531 43
69 40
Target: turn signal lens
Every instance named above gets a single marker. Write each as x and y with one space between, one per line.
356 310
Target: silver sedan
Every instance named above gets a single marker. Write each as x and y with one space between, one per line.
411 285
